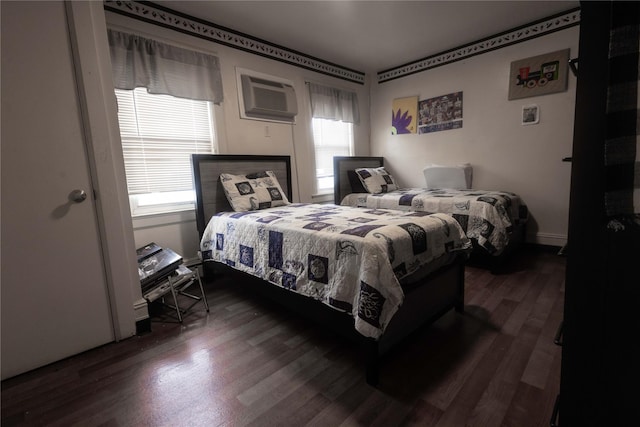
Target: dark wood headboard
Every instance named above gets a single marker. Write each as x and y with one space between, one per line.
341 167
210 197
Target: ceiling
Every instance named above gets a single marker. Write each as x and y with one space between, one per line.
370 36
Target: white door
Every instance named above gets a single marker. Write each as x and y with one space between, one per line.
54 294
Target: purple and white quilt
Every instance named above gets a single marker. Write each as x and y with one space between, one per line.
487 217
349 258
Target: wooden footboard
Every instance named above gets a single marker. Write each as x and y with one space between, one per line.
425 302
434 296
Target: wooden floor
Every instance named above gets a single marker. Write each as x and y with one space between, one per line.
249 363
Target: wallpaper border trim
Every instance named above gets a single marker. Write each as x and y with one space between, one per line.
530 31
168 18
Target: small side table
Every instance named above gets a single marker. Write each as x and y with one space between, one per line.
178 283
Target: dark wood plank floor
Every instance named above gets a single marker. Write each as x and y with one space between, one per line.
249 363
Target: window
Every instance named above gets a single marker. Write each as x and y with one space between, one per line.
330 138
159 133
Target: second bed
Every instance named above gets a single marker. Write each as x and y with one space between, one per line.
494 220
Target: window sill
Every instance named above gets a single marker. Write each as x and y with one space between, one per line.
165 218
322 197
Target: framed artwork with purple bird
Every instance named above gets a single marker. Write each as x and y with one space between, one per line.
404 112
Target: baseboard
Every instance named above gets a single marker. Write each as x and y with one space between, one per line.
548 239
190 262
535 247
143 321
143 326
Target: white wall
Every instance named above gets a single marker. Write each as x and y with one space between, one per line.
241 136
505 154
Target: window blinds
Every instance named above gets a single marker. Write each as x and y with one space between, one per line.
333 110
159 133
330 138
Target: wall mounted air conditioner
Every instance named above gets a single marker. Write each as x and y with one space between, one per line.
267 99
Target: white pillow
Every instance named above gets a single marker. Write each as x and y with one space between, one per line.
376 180
458 177
250 192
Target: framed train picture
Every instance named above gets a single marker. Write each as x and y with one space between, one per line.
539 75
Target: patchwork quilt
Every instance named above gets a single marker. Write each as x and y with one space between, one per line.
487 217
351 259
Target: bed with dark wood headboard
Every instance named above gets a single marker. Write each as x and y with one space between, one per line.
206 175
344 177
498 229
427 294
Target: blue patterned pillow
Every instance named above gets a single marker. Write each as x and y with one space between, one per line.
253 191
376 180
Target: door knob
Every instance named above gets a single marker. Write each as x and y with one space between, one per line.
78 196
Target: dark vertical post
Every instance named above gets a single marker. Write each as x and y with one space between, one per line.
581 383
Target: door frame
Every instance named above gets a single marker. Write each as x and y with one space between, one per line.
88 35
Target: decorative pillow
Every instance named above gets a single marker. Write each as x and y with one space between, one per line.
376 180
253 191
458 177
354 181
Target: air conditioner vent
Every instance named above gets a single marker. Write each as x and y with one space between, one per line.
268 100
265 82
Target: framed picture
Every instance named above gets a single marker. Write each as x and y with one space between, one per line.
539 75
404 112
530 114
440 113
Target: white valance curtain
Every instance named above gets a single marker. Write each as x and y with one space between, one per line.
163 68
333 104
